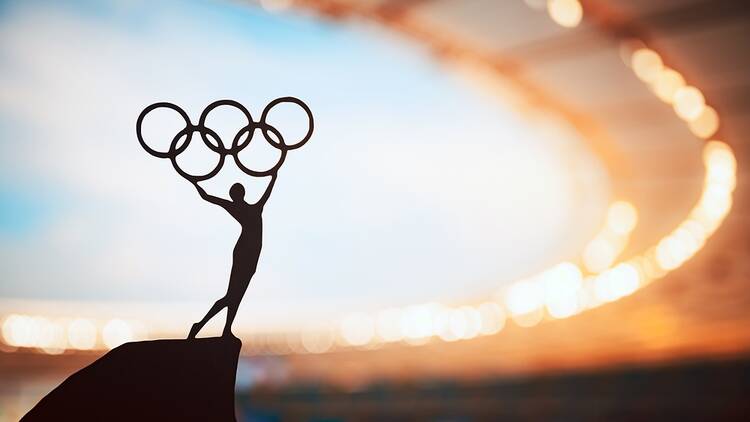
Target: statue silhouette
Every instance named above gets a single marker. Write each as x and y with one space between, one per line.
189 379
246 251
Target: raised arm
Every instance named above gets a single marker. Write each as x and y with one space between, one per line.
212 199
267 193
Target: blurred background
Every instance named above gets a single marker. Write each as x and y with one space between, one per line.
520 209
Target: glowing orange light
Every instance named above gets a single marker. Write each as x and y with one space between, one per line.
622 217
599 254
567 13
646 64
82 334
706 124
493 318
357 329
667 83
561 289
689 103
524 297
116 332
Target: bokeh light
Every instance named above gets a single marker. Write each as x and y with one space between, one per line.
689 103
567 13
599 254
524 297
667 83
706 124
646 64
82 334
561 289
493 318
116 332
622 217
317 340
357 329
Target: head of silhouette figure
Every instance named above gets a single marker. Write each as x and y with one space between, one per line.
237 192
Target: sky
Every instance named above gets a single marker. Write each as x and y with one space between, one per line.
416 186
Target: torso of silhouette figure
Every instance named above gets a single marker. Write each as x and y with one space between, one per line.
247 249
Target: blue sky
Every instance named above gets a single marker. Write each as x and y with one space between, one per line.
414 187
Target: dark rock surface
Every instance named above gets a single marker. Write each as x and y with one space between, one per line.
150 380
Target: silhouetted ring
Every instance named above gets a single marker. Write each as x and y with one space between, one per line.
264 126
149 109
202 123
236 147
173 152
282 151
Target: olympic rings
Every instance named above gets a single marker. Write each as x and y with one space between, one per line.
149 109
250 129
173 152
304 107
176 148
204 116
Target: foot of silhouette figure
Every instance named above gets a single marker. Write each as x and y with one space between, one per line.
218 306
195 329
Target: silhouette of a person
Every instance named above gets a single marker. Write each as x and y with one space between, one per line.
246 251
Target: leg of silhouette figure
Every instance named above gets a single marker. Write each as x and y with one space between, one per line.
218 306
231 313
234 298
236 291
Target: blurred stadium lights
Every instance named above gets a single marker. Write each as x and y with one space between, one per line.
563 290
567 13
600 275
55 336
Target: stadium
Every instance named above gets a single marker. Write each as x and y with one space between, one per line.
509 210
